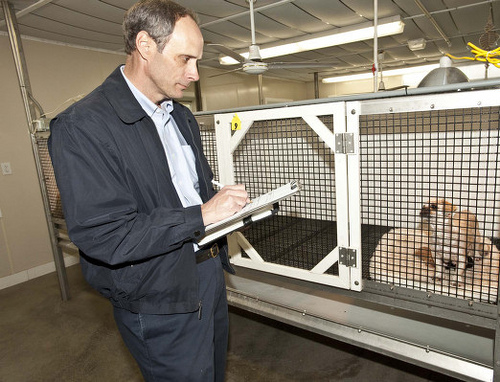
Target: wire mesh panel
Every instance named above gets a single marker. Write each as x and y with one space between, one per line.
49 177
207 132
273 153
429 200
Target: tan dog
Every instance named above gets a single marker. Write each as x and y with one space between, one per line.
403 253
453 235
483 277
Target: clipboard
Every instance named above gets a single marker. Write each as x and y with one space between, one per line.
261 207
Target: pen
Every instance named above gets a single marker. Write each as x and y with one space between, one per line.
220 185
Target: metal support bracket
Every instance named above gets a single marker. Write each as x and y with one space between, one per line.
344 143
347 257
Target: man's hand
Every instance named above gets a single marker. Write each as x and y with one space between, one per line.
228 201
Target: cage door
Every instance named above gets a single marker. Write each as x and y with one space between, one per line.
430 195
308 237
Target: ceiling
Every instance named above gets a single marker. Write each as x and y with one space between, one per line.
97 24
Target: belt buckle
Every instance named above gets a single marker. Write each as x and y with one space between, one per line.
214 251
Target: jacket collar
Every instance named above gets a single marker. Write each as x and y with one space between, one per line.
129 109
121 98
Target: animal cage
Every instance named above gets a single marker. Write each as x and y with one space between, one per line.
446 160
363 253
406 159
369 169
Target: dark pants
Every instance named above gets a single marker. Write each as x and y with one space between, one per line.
182 347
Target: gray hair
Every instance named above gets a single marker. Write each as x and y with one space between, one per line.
156 17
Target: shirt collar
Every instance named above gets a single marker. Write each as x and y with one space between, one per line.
148 106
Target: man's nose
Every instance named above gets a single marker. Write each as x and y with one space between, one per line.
192 73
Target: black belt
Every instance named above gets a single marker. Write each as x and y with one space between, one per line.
206 254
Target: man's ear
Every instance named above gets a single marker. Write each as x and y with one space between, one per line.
145 45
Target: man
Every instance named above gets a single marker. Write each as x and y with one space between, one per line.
137 194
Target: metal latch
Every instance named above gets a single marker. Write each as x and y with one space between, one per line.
347 257
344 143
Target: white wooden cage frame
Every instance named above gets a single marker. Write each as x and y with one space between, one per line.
347 206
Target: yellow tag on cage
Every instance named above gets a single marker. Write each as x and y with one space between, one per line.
236 123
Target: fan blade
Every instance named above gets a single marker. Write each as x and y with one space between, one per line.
228 52
297 65
226 72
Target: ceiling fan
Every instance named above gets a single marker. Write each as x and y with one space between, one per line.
254 64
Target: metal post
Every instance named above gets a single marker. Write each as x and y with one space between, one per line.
316 85
260 89
30 110
496 345
197 92
375 45
197 95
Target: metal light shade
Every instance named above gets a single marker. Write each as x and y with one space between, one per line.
445 74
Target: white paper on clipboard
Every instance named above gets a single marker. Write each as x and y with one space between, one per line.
261 207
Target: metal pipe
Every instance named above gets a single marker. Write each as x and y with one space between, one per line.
29 9
433 21
264 7
450 9
18 54
37 104
252 20
29 107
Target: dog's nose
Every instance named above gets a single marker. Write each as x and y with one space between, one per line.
425 212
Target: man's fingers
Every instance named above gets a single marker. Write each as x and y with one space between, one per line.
228 201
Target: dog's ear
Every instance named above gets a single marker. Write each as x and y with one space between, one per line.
432 204
486 249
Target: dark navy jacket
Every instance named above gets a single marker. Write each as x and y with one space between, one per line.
119 202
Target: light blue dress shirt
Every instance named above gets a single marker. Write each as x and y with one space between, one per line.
180 156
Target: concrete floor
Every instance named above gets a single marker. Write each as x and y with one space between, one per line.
45 339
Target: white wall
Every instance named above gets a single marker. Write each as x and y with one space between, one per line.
233 90
57 73
353 87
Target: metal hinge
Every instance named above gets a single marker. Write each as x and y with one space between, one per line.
347 257
344 143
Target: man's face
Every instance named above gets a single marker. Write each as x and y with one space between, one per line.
174 69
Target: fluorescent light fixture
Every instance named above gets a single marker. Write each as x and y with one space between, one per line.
387 73
386 27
